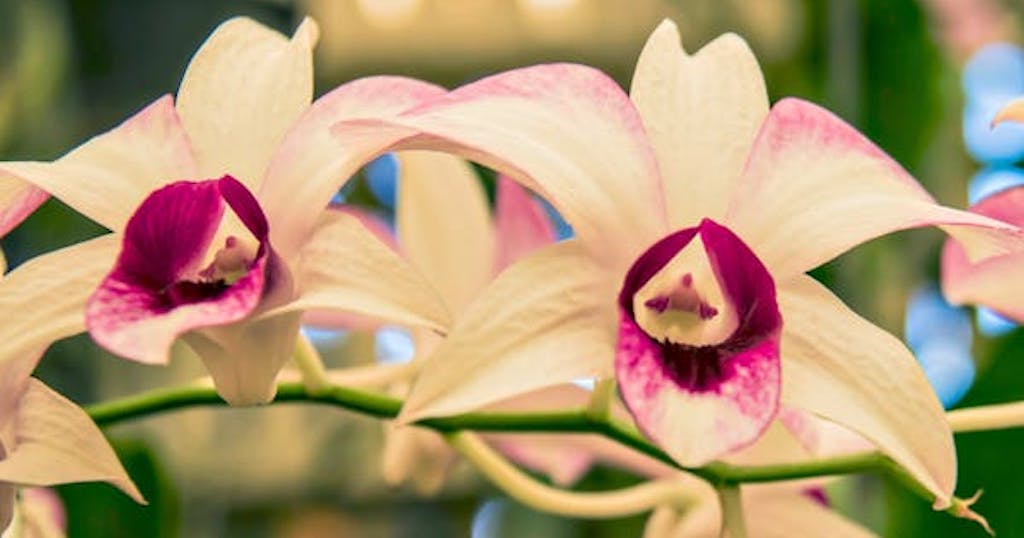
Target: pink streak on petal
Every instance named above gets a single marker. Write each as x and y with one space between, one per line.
20 206
152 296
523 224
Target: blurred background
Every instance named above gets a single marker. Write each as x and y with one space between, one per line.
920 78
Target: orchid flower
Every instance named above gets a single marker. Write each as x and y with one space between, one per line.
697 212
45 439
210 247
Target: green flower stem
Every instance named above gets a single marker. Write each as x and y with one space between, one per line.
730 498
570 421
310 364
592 505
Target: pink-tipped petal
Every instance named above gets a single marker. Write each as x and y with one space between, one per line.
699 401
156 291
844 369
994 282
568 132
57 443
701 112
310 164
106 177
242 91
344 267
18 199
522 223
814 187
42 300
444 224
555 305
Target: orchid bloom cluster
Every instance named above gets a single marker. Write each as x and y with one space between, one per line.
697 210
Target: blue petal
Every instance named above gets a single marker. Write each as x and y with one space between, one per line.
487 519
394 345
992 324
949 368
995 73
1003 144
992 180
382 178
930 318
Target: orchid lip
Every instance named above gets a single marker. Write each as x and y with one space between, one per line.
685 315
162 269
697 359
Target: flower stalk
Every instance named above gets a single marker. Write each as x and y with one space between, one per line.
592 505
730 498
987 417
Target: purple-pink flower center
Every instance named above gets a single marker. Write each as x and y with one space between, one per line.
702 298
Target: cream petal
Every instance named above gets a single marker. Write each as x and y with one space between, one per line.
241 92
814 187
845 369
57 443
701 113
43 300
546 320
108 176
310 165
244 358
568 132
444 224
345 267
